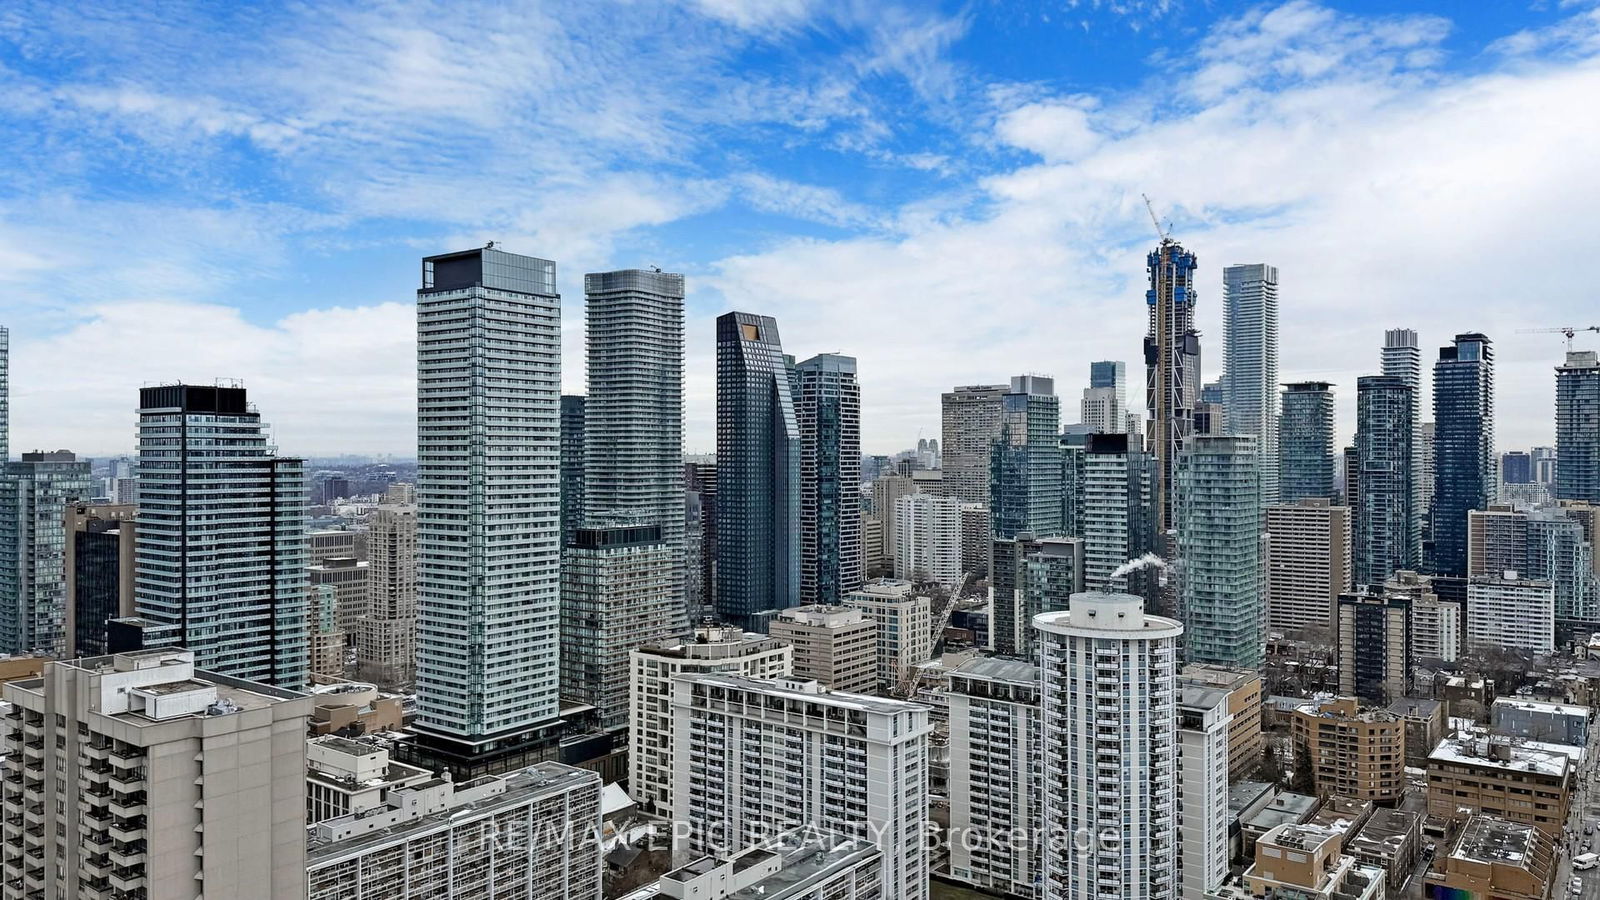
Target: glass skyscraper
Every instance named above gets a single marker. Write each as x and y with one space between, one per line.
1465 468
1578 427
1306 460
1402 358
758 472
1025 476
1384 542
1219 545
572 480
220 553
1250 347
488 509
828 414
34 494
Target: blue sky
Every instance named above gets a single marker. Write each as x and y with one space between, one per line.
950 192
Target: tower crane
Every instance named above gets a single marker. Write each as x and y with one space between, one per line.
1568 330
1164 235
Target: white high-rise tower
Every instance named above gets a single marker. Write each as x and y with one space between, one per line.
488 508
1110 748
1250 391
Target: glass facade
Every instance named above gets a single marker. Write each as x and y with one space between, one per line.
1465 467
828 414
1219 544
1384 542
1250 348
1577 474
1306 459
33 500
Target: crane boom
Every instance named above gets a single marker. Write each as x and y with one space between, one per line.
1569 330
1151 207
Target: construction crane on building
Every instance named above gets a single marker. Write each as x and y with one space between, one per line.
1568 330
1164 235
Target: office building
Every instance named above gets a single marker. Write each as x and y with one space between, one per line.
1109 374
1203 815
828 412
1465 475
1308 563
1511 613
1577 477
651 671
758 471
98 567
1109 747
971 424
1246 742
994 783
904 621
1402 358
1355 752
835 645
1306 460
803 864
140 775
928 539
1250 348
1219 541
1495 858
1375 647
618 593
530 833
1116 515
220 557
488 510
1307 861
386 633
1516 466
633 417
751 754
1387 532
573 445
34 494
348 578
1101 411
1530 782
1172 368
328 543
1025 482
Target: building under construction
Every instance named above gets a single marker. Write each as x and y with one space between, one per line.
1172 366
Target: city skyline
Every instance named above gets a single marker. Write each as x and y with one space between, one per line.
876 194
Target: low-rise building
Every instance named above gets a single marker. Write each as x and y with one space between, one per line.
1424 720
1285 808
353 708
535 832
1522 781
1390 840
1495 858
1307 862
836 645
1353 751
803 864
1539 720
345 776
1245 739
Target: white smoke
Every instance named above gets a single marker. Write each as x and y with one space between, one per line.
1143 562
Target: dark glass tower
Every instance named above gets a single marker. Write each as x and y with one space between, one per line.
1383 489
1464 463
758 472
1578 427
572 470
1305 452
828 413
1025 476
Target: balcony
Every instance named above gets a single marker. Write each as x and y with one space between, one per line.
130 879
125 759
127 807
128 831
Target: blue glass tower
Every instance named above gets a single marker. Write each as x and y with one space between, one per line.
1464 461
758 471
1383 494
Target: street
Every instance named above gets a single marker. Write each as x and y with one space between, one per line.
1585 812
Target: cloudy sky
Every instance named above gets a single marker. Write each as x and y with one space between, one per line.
949 192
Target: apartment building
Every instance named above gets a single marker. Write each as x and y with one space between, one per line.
836 645
802 864
994 786
1243 686
1356 752
1495 858
1521 781
905 627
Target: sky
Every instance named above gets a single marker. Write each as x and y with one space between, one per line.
950 192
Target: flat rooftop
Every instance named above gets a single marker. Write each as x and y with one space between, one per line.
535 782
998 669
807 856
1385 833
1478 747
1488 839
791 690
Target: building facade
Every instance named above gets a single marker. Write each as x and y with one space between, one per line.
834 645
386 634
1172 367
995 784
1387 532
1402 358
1512 613
1025 470
928 539
220 558
1375 646
904 620
1250 348
1306 460
828 413
1219 540
758 471
98 566
34 495
1578 427
970 418
1203 816
488 508
1308 563
872 754
1109 749
1354 752
1465 467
